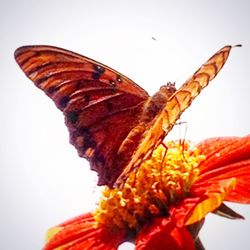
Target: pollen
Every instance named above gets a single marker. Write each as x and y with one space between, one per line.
160 181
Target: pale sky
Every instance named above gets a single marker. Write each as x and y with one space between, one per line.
43 181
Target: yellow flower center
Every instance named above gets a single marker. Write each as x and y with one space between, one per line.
160 181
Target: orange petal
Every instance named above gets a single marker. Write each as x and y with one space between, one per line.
222 151
226 158
216 193
162 234
82 233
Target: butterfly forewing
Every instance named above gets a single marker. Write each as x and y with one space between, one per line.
173 109
100 105
47 65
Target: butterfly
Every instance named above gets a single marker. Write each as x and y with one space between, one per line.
112 121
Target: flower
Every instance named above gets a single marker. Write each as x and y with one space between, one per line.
163 204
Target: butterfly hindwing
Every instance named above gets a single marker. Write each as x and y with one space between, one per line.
100 105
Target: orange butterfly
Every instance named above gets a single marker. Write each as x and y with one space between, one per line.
112 121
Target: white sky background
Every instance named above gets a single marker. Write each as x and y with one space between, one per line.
43 181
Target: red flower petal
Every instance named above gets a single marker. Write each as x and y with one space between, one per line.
183 211
211 145
226 158
163 234
222 151
82 233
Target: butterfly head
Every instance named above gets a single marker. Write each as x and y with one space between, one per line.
168 89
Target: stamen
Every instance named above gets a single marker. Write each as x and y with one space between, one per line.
160 181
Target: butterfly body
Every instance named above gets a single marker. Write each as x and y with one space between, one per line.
156 102
112 121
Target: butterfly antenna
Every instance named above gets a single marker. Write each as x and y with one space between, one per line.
237 45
